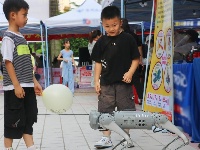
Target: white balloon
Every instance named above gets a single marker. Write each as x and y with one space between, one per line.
57 98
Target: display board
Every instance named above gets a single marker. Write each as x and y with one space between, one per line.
159 90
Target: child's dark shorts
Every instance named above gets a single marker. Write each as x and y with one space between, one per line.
118 95
19 114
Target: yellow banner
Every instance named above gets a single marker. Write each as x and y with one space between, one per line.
159 94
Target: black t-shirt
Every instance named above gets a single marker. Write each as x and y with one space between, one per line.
115 53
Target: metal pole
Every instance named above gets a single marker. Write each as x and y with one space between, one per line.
122 8
172 23
44 70
47 58
145 79
142 28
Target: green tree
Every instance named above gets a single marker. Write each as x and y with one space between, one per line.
76 43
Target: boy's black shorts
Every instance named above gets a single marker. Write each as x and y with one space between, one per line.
19 114
118 95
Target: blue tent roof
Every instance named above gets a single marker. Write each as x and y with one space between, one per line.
178 24
183 9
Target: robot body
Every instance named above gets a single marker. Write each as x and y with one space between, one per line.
120 120
130 120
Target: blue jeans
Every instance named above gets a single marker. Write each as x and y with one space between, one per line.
68 76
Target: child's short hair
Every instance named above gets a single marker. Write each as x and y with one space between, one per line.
110 12
66 40
14 6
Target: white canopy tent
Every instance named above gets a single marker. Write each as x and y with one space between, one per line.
79 20
32 26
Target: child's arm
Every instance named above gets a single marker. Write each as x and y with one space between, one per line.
128 75
97 68
19 91
59 58
37 87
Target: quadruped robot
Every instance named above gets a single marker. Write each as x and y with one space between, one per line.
120 120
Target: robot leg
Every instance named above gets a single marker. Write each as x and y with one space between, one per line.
162 122
106 121
133 120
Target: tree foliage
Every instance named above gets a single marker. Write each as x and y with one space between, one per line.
76 43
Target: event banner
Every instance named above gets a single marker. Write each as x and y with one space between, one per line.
159 94
183 95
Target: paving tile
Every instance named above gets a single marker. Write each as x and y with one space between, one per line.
71 130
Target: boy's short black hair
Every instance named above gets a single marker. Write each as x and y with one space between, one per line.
110 12
13 6
66 40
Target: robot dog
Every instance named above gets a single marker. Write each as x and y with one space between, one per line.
119 120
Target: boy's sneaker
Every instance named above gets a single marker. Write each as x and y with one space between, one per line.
105 142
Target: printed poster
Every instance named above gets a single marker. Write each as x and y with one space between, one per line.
159 91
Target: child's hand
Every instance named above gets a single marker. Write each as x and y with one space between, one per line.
65 60
38 89
19 91
127 77
97 88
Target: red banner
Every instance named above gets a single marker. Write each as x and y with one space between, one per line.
37 37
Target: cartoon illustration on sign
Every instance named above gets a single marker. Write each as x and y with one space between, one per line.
157 76
167 78
160 44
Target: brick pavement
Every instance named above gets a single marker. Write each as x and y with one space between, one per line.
71 130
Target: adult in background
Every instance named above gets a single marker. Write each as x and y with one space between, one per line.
93 37
136 77
151 46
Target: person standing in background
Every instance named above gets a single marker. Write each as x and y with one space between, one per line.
66 55
145 63
136 76
93 37
127 29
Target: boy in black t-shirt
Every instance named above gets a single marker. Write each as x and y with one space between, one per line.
117 57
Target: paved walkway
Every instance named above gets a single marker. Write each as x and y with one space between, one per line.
71 131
